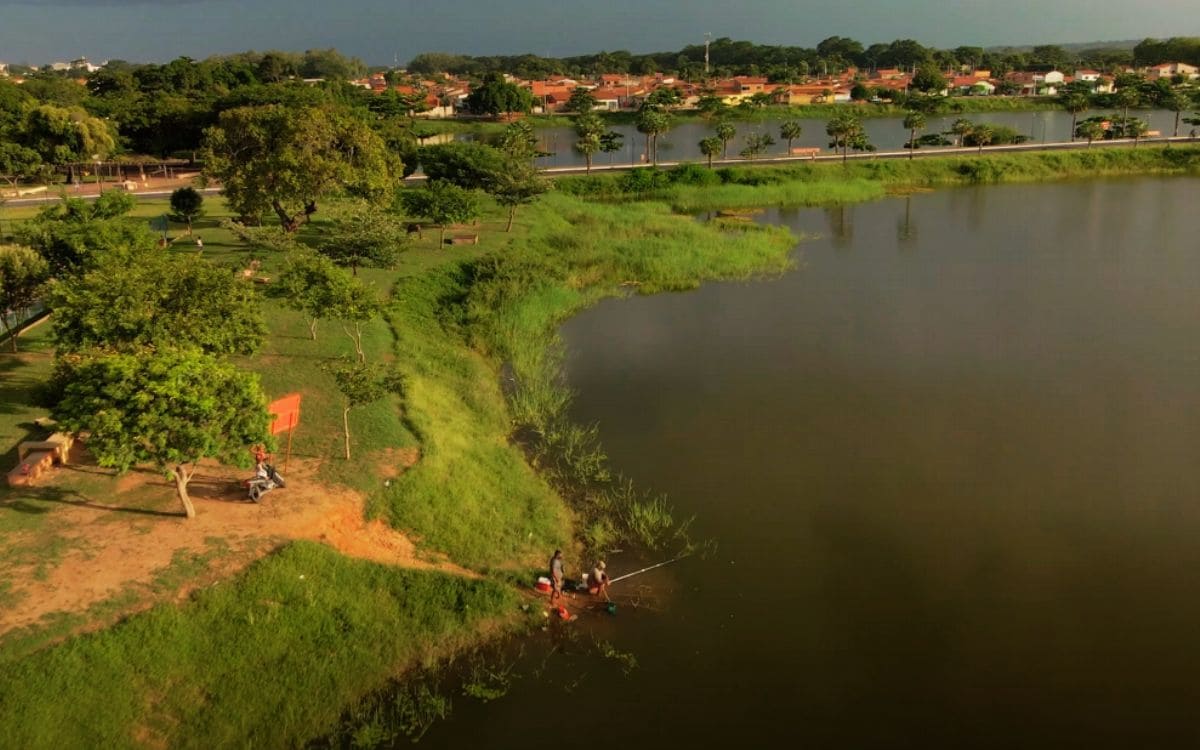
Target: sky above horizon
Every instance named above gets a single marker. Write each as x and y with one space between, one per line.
380 31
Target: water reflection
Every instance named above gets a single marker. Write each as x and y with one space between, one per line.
906 230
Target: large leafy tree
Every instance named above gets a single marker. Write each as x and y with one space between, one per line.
468 165
364 235
22 274
929 80
63 135
137 297
519 185
442 203
70 234
582 101
589 129
496 96
845 131
287 160
165 406
1090 129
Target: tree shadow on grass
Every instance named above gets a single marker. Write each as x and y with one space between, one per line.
70 497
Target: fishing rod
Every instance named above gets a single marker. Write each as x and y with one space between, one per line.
648 568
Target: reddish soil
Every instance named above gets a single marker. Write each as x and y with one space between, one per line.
122 545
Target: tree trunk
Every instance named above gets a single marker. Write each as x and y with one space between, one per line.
12 333
1175 134
290 223
647 147
346 429
442 236
710 156
1073 118
587 158
182 476
912 143
312 328
512 213
355 335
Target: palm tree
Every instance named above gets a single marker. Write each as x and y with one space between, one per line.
845 130
983 135
1090 129
960 129
710 147
653 122
1176 101
725 131
790 130
1075 103
913 121
1127 97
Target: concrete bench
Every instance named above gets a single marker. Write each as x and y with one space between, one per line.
30 468
57 445
810 152
464 239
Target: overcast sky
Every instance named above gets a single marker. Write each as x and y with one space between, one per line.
40 31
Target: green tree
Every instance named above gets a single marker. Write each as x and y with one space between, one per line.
725 131
360 384
288 160
18 162
846 131
960 128
913 121
496 96
164 406
1127 96
310 284
70 234
756 144
582 101
65 135
468 165
22 274
519 185
1177 102
187 205
442 203
929 79
710 147
653 123
664 97
354 304
143 297
589 129
982 135
1092 128
790 130
362 234
1075 103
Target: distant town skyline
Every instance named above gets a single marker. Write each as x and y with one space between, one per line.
386 31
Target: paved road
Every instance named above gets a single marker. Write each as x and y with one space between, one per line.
903 154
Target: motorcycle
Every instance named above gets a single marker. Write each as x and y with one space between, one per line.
265 480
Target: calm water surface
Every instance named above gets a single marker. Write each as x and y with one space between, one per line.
951 463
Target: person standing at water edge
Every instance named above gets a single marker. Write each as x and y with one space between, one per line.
598 585
556 577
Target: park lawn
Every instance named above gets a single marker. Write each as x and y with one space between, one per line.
269 659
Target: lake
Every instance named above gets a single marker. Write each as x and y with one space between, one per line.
950 464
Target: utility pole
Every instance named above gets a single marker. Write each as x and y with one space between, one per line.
707 40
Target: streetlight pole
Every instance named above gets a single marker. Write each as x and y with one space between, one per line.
99 175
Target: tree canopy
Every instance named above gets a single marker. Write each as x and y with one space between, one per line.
287 160
168 407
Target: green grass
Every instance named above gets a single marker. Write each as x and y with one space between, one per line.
268 660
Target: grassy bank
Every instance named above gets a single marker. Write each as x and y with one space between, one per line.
692 188
457 326
221 671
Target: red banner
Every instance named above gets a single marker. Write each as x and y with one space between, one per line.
285 413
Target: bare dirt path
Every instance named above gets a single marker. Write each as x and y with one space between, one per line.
115 548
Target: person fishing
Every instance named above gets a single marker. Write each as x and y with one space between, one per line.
556 577
598 584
